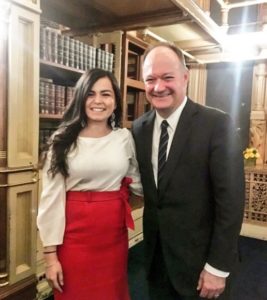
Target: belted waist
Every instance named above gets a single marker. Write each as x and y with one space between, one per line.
92 196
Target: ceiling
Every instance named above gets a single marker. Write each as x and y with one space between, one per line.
207 31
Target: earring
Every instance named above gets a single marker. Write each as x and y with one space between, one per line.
112 121
83 123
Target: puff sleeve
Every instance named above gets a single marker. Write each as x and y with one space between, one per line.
51 211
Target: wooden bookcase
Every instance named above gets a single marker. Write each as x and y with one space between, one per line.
19 73
132 86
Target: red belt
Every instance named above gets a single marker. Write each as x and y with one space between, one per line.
91 196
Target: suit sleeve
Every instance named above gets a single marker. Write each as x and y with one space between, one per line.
227 176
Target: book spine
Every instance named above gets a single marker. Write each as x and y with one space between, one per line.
66 51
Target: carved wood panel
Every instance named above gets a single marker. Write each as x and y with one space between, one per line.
23 89
22 207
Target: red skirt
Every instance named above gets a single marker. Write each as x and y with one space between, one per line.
94 252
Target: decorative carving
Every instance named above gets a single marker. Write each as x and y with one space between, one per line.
259 197
256 197
256 134
257 137
258 87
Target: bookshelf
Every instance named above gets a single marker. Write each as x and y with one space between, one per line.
133 89
56 87
63 60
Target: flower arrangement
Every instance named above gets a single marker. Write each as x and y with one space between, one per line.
251 153
250 156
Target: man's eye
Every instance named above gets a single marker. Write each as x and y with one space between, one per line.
168 78
149 80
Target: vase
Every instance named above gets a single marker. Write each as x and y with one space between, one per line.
250 162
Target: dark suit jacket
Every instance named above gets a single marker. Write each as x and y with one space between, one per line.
198 211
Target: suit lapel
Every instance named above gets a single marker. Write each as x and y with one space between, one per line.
181 135
148 126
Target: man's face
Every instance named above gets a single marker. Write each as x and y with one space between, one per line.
165 80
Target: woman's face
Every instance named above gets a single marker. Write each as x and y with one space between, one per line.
100 102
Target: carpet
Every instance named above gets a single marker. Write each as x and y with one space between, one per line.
250 282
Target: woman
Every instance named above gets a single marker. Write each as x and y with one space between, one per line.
84 211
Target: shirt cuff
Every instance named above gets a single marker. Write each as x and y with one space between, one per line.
215 271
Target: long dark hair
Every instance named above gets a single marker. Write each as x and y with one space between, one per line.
75 118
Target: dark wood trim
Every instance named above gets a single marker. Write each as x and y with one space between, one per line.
135 22
59 66
84 17
50 116
138 42
24 289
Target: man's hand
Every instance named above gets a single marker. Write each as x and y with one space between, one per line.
209 285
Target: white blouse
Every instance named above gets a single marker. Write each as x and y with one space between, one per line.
96 164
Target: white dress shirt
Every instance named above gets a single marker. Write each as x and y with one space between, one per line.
172 120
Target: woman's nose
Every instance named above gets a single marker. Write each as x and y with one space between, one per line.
97 99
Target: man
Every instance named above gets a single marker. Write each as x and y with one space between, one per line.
193 181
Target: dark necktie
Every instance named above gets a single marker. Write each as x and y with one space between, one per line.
163 142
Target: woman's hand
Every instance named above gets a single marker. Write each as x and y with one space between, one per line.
53 271
54 276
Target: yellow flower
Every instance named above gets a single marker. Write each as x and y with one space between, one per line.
251 153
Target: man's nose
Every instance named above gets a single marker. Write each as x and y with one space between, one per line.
159 86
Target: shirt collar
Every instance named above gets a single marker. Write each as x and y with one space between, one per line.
173 118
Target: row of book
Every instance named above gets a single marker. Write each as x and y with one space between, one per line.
53 98
58 48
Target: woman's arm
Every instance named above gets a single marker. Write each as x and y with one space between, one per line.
51 223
